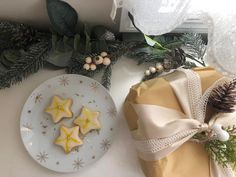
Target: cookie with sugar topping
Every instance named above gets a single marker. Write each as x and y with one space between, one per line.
88 120
68 138
59 108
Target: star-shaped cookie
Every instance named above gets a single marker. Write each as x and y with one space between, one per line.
69 138
88 120
59 108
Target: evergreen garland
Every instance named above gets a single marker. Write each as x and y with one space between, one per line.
24 49
17 35
28 63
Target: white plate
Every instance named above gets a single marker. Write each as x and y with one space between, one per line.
38 131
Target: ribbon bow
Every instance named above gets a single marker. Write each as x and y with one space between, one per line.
156 138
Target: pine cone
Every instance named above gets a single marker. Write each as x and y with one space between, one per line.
174 59
223 97
108 36
23 35
15 35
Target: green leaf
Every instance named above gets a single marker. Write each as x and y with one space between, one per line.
61 52
173 45
87 40
99 46
63 17
59 59
77 42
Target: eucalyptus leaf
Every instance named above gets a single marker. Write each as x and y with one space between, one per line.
68 43
87 39
77 42
63 17
59 59
11 55
61 51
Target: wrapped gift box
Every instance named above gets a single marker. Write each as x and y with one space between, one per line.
191 159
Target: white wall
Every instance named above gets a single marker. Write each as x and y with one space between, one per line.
34 11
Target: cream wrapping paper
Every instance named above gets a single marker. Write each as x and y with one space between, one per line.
160 122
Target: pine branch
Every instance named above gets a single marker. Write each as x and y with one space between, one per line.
223 97
223 152
30 62
194 46
18 35
106 78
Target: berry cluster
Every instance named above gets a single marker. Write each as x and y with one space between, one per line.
92 62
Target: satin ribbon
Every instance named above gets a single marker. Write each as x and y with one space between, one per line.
162 130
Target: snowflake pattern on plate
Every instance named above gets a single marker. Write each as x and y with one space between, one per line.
63 81
105 144
38 98
42 157
112 112
94 86
78 164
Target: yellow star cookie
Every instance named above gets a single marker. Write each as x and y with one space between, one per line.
59 108
69 138
88 120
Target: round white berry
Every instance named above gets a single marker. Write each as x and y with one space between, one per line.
223 135
159 67
147 73
103 54
216 128
152 69
86 66
106 61
98 60
93 67
88 59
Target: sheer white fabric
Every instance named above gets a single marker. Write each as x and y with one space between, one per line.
156 17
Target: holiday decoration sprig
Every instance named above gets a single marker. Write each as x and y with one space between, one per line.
223 152
115 50
220 141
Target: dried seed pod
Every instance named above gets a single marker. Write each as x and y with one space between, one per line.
147 73
88 60
103 54
86 66
98 60
159 67
93 67
152 69
106 61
